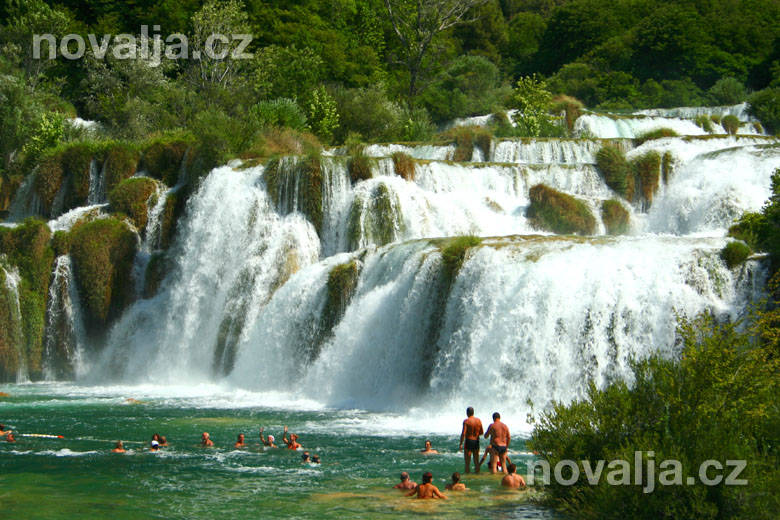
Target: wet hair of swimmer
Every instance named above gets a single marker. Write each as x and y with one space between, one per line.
315 459
511 468
404 476
427 477
496 415
305 456
455 477
470 411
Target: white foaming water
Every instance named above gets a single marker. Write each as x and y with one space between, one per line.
14 331
233 254
609 127
97 183
547 151
740 111
67 220
422 151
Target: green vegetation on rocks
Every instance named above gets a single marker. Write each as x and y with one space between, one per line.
705 123
453 253
26 248
735 253
655 134
403 164
342 282
297 179
764 105
162 159
10 332
374 218
570 107
466 138
120 161
558 212
615 217
103 251
156 270
667 166
48 180
77 164
647 168
60 243
616 171
133 197
730 124
358 164
175 204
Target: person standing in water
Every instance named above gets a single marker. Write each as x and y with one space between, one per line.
429 449
205 441
119 448
426 489
512 480
292 442
405 483
499 442
269 443
469 439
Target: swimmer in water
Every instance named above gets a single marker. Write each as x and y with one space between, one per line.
406 483
315 459
155 446
119 448
163 441
240 442
428 449
426 489
10 437
305 457
292 442
456 485
269 443
205 441
3 431
512 480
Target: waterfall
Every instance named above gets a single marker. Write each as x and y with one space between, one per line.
13 335
97 183
740 111
26 202
66 221
64 333
150 236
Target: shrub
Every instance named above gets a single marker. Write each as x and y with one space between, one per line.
705 123
615 217
103 252
715 118
558 212
454 253
727 91
48 180
322 114
341 285
660 133
60 243
735 253
751 229
571 107
369 113
647 169
403 164
279 113
133 198
76 164
466 138
416 125
764 105
359 167
616 171
730 124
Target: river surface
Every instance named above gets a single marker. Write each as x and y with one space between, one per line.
362 454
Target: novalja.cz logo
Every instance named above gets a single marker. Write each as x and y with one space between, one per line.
145 45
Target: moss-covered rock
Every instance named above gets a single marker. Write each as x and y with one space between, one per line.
342 282
296 185
175 203
374 218
570 107
730 124
615 217
659 133
27 249
558 212
705 123
453 254
9 184
466 138
49 179
120 163
163 158
735 253
133 197
647 168
77 164
60 243
616 171
103 252
403 164
359 167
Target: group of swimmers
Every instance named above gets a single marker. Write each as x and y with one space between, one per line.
498 432
158 441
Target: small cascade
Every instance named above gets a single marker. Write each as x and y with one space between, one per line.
66 221
547 151
26 202
427 152
630 127
149 237
12 344
64 334
97 183
740 111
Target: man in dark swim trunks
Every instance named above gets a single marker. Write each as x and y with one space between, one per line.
499 441
472 429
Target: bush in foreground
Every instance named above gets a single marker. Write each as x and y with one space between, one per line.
558 212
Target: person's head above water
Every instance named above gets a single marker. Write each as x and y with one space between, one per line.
271 439
427 477
496 416
404 476
315 459
427 445
240 437
470 411
118 444
455 477
511 468
305 456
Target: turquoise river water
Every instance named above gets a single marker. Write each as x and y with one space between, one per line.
362 453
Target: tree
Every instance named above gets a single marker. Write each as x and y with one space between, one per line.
214 29
416 24
532 101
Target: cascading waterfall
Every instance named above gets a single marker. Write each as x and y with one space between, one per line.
14 334
97 183
64 336
345 298
150 236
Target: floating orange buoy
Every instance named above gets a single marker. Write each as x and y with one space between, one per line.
3 394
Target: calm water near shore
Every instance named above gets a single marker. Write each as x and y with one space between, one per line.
362 453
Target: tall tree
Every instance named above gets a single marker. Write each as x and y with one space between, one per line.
417 22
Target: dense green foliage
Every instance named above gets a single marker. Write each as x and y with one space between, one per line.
718 400
559 212
103 251
761 231
735 253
